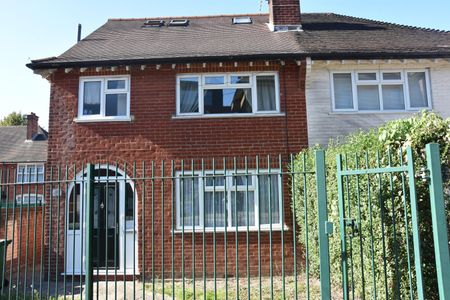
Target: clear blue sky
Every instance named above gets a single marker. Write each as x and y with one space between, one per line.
32 29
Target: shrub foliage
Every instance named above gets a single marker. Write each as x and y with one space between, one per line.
381 254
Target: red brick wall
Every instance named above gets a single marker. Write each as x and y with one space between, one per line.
285 12
155 135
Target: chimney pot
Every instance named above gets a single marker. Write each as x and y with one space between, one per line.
32 125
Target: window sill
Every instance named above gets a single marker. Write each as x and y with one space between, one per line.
102 120
383 112
275 228
218 116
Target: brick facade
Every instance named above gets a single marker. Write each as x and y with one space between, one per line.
154 134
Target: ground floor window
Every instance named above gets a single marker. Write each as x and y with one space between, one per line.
234 199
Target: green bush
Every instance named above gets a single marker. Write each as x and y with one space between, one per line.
381 202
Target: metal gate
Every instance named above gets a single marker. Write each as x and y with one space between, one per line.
379 226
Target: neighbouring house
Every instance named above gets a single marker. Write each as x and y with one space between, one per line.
362 73
23 154
190 88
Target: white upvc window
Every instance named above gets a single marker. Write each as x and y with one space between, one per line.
104 98
231 200
29 199
30 173
227 94
380 90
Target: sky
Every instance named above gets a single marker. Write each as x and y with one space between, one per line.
32 29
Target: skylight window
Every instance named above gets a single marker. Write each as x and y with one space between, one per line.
242 20
154 23
179 22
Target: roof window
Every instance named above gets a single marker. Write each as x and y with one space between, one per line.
242 20
179 22
154 23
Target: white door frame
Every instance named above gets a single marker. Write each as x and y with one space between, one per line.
76 240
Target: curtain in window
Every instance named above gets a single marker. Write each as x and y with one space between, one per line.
393 97
190 201
265 199
239 208
343 93
188 95
218 206
266 93
417 89
368 97
91 99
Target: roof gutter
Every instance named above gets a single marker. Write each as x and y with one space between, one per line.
39 65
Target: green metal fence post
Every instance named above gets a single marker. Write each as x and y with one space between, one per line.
342 226
439 220
325 286
89 228
415 225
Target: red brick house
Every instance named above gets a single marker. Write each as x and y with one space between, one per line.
141 90
23 154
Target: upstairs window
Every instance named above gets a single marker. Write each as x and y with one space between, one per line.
227 94
389 90
30 173
104 98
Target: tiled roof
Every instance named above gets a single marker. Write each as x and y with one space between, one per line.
14 147
215 37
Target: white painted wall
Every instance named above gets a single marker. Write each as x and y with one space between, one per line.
324 124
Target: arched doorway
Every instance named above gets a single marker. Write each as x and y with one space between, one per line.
114 228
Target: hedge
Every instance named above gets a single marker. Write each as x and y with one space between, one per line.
387 209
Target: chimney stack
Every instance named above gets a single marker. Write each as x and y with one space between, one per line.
285 15
32 125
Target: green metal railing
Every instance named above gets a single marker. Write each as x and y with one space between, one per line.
228 228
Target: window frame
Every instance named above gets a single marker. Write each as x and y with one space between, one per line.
104 91
380 82
26 174
228 186
26 202
252 85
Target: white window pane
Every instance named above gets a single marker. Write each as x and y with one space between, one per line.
367 76
214 80
190 201
417 89
392 76
40 168
239 208
225 101
40 177
343 93
215 211
265 87
236 79
116 84
368 97
91 99
393 97
269 203
214 181
189 95
116 105
242 180
32 178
